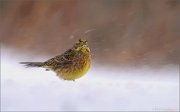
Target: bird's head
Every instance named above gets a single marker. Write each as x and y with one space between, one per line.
82 46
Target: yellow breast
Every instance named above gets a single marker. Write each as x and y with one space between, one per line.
76 70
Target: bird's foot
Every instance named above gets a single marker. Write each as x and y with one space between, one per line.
47 70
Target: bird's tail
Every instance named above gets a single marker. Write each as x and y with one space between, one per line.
32 64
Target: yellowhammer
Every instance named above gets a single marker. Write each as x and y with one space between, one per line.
72 64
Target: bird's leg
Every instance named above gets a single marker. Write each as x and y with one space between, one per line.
47 69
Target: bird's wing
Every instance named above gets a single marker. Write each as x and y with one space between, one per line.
61 60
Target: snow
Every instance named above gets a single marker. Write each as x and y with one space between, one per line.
102 88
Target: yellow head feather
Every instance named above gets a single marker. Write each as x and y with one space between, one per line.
82 46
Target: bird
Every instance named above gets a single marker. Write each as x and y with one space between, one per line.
70 65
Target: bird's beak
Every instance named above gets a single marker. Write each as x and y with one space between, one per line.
86 47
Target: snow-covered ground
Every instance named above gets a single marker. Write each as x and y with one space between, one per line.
102 88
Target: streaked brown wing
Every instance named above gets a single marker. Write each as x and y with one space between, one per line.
61 60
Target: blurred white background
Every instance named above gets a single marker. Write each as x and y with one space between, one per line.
102 88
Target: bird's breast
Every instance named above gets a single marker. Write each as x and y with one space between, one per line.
77 69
